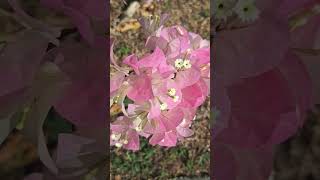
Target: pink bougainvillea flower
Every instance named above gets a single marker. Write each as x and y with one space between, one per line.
172 40
84 14
116 81
166 85
122 135
275 85
165 134
193 96
140 88
183 129
168 139
157 61
166 121
270 115
83 101
17 71
197 42
167 91
241 54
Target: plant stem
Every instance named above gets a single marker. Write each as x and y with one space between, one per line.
13 16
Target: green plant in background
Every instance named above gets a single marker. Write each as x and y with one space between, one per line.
54 125
122 51
151 161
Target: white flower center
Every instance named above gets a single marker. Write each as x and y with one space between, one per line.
163 106
181 64
119 145
178 63
187 64
138 128
172 92
246 10
222 9
115 137
125 141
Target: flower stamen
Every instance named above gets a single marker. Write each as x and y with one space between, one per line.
172 92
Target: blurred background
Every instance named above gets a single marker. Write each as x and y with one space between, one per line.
18 155
299 157
191 157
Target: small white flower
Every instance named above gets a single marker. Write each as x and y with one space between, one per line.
115 137
111 102
172 92
175 98
187 64
119 145
138 129
163 106
222 9
125 141
189 51
178 63
246 10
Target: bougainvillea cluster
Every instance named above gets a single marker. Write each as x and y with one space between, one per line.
42 69
164 87
265 80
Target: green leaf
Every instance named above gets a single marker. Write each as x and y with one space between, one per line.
55 125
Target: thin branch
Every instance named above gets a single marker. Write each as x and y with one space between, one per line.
14 16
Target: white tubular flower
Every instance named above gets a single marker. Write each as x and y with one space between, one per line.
111 102
125 141
246 10
137 121
222 9
119 145
138 128
178 63
172 92
189 51
187 64
115 137
163 106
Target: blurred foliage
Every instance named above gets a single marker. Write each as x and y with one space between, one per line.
54 125
122 51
